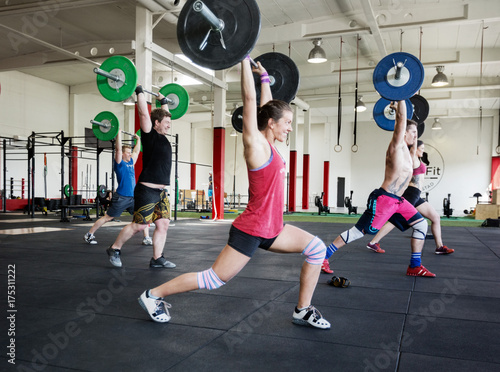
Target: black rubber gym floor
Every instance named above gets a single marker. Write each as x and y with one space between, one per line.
75 312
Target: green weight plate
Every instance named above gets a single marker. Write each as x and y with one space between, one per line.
180 98
117 91
68 190
107 118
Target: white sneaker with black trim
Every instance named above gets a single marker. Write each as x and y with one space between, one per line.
310 316
147 241
90 238
156 307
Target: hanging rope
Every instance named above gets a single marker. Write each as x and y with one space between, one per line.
338 147
420 49
480 129
354 147
401 40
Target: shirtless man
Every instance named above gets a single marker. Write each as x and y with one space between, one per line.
386 204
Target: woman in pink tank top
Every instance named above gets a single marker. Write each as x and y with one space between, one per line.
261 224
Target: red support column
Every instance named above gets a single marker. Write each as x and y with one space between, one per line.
193 176
305 182
292 181
137 126
326 181
218 175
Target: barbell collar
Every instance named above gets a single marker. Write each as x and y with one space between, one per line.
216 23
99 123
98 71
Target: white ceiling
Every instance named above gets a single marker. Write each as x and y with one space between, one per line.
462 35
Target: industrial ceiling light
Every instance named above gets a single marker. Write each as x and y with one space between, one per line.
360 105
436 125
317 54
440 80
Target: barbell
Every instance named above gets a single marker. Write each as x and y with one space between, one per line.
117 80
397 77
68 190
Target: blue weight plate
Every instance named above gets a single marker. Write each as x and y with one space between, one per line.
411 80
383 117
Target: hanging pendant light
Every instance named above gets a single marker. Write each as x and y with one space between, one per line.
440 80
317 54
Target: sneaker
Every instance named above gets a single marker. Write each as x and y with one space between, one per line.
147 241
375 248
444 250
156 307
90 238
114 257
325 267
161 262
310 316
419 271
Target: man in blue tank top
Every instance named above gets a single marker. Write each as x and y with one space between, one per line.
123 198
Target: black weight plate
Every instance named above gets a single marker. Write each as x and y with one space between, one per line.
420 129
241 30
284 76
420 108
101 191
237 119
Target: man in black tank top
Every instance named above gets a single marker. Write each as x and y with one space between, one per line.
151 203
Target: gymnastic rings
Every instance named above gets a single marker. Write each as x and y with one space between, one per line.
338 148
354 148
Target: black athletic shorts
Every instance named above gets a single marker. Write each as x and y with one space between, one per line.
412 194
247 244
150 204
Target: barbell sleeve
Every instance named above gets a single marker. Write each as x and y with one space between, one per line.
99 123
254 64
216 23
399 67
169 101
130 134
98 71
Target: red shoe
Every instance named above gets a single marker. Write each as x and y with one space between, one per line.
419 271
444 250
325 267
375 248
